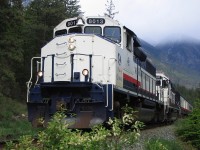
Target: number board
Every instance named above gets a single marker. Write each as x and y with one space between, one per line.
95 21
71 23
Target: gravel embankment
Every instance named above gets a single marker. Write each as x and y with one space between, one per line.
164 132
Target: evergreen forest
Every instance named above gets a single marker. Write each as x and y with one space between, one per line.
23 31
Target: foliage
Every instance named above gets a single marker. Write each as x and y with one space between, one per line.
57 135
162 144
13 120
189 128
190 94
11 52
24 30
72 8
110 7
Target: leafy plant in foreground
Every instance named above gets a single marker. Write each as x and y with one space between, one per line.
189 129
57 135
162 144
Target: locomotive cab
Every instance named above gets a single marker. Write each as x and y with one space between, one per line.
77 72
167 94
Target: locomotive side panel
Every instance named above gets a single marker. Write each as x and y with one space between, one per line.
104 61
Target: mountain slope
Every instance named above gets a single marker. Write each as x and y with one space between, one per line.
180 60
181 53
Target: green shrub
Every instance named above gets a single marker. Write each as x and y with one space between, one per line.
57 135
188 129
162 144
13 119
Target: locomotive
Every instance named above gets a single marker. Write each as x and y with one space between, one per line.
93 67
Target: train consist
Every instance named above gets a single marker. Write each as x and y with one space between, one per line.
93 67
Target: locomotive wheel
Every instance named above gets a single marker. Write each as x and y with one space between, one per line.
117 110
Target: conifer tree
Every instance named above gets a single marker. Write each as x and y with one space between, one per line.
72 8
41 16
110 7
23 31
11 40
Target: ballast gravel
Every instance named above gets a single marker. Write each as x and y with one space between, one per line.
164 132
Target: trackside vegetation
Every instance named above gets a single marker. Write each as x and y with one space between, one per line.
57 135
13 120
162 144
188 129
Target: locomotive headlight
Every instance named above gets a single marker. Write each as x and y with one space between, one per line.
71 40
40 74
71 47
85 72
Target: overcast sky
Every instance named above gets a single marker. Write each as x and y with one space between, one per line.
153 20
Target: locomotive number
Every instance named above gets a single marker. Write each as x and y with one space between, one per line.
95 21
71 23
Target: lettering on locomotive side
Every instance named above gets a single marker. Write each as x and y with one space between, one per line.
96 21
71 23
119 78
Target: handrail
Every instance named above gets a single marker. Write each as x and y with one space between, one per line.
32 67
61 53
106 95
29 83
65 63
58 44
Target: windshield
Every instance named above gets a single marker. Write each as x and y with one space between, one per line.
61 32
75 30
93 30
113 33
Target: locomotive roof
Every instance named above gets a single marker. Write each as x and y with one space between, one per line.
89 20
161 74
95 21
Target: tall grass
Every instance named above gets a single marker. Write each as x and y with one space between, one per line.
188 129
162 144
13 119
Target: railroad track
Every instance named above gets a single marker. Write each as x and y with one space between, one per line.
166 132
155 125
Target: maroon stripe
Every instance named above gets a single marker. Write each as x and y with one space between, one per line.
131 79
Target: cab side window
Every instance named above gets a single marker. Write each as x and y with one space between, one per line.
129 44
113 33
164 83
